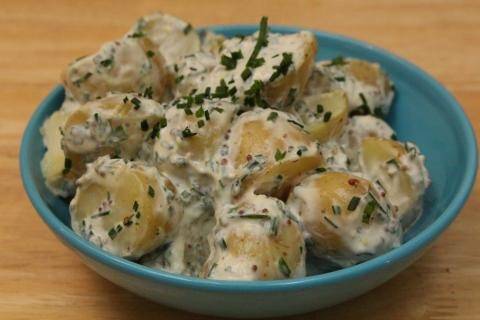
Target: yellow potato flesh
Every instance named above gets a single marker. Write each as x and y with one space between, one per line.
336 104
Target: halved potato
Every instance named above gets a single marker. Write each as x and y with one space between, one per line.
266 152
399 168
346 217
324 114
278 77
171 36
194 130
368 88
116 125
129 65
53 162
126 209
359 128
256 239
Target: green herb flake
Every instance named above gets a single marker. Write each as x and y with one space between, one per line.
187 133
272 116
282 68
337 61
151 191
223 244
368 211
187 29
179 79
200 123
150 53
295 123
284 268
135 206
319 108
148 93
320 170
106 63
200 112
274 226
67 166
114 231
230 62
137 34
254 216
279 155
261 42
163 122
330 222
144 125
136 102
336 210
340 79
327 116
100 214
352 205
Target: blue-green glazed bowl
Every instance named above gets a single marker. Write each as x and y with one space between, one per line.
423 112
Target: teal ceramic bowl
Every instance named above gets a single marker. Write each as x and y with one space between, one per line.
423 112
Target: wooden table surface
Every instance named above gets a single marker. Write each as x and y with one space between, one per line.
42 279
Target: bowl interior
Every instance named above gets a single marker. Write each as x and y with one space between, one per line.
422 112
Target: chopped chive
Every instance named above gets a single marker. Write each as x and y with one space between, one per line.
230 63
135 205
67 166
282 68
187 133
163 122
327 116
179 79
330 222
100 214
261 42
340 79
150 54
223 244
187 29
320 170
106 63
336 210
151 191
274 226
337 61
319 108
295 123
253 216
144 125
284 268
136 102
272 116
353 203
279 155
368 211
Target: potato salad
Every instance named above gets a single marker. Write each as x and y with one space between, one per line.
230 158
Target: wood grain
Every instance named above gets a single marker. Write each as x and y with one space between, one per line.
42 279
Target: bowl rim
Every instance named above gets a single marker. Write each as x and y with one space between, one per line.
420 241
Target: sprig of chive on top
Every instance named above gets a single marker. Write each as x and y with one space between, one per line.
262 41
